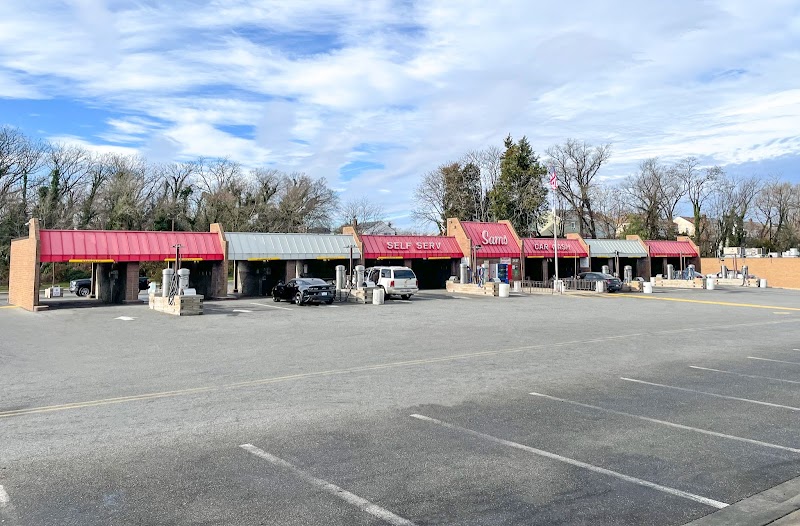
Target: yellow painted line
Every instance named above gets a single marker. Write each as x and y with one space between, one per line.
350 370
8 307
707 302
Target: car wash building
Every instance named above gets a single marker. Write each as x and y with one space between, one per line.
260 260
432 258
540 257
679 254
115 257
495 246
617 254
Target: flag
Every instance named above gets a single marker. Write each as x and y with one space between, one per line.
554 180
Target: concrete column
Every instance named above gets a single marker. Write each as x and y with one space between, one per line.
298 268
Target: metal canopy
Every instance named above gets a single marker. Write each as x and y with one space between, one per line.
114 246
244 246
671 249
609 248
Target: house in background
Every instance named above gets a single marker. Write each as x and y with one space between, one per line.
685 225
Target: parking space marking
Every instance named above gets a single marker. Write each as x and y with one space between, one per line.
758 377
271 306
4 498
670 424
708 302
759 402
577 463
351 498
771 360
8 307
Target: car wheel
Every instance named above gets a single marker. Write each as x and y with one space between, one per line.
83 292
276 299
405 296
329 302
298 298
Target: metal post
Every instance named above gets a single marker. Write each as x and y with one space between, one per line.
555 240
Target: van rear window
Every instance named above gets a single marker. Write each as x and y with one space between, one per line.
404 274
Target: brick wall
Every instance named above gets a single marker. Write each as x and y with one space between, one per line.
455 229
779 272
131 281
219 272
23 275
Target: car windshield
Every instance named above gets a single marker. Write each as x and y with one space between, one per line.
403 274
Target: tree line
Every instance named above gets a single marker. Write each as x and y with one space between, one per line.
69 187
511 183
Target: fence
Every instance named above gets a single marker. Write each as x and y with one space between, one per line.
569 284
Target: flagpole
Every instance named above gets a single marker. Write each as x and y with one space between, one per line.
555 236
554 186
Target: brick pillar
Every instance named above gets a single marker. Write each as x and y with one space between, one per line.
219 272
23 276
131 281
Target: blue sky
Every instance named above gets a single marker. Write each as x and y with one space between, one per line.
371 95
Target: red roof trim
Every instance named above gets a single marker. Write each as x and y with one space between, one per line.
670 249
543 247
126 245
410 247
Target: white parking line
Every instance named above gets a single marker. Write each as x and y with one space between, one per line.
271 306
360 503
577 463
771 360
670 424
758 377
4 498
713 394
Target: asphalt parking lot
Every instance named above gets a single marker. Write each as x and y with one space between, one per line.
611 409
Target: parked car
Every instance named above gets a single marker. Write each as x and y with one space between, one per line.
304 291
83 287
394 280
612 284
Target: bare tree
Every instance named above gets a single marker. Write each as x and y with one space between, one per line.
576 164
20 158
361 212
773 208
612 212
699 183
489 162
59 190
654 193
429 196
731 203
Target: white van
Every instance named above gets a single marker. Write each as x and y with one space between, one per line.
395 281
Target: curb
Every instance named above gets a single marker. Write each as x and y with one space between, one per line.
774 506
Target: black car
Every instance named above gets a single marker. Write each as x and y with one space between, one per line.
304 291
83 287
612 284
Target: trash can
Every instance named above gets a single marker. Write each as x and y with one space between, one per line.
710 284
378 296
600 286
647 287
763 283
517 286
504 290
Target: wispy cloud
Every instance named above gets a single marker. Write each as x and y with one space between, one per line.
373 95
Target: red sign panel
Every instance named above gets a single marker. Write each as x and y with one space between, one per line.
495 239
121 245
410 247
671 249
543 247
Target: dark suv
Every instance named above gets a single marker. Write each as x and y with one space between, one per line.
612 284
83 287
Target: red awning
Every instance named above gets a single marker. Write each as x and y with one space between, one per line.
121 245
410 247
671 249
542 247
495 239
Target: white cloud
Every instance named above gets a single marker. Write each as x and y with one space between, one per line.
314 81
